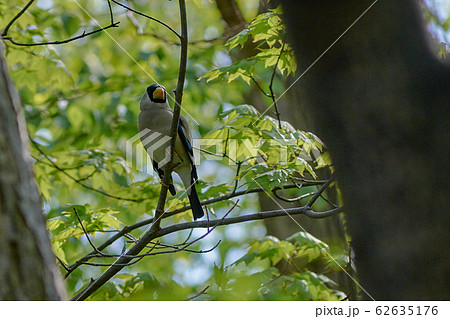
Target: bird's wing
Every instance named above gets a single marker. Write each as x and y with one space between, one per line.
184 135
161 176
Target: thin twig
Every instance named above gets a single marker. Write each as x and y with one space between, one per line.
81 179
224 155
290 200
149 253
62 263
272 94
238 169
85 232
35 144
17 16
111 16
188 237
163 246
123 261
328 201
124 231
259 87
198 294
83 35
148 17
62 168
321 190
141 244
98 252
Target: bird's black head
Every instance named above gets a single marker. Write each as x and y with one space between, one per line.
157 93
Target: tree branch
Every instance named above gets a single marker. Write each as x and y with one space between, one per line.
176 117
17 16
83 35
321 190
62 170
198 294
259 87
150 234
133 251
272 94
168 214
148 17
125 260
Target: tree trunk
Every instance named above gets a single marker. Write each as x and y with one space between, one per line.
28 270
331 229
380 101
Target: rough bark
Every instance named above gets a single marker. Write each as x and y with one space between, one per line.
28 270
380 101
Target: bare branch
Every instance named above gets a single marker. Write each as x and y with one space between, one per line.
62 263
148 17
321 190
124 231
125 260
162 246
78 181
176 116
272 94
198 294
259 86
290 200
83 35
141 32
85 232
111 16
17 16
149 253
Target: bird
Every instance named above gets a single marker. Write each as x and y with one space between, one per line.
156 117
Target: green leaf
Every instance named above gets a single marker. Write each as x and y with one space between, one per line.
239 39
247 258
70 23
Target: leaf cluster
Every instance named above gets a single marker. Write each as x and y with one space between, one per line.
268 156
270 271
267 31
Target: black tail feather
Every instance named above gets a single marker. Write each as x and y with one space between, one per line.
197 210
172 189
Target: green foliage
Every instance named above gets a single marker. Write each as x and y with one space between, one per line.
268 32
142 286
268 272
67 226
81 102
269 156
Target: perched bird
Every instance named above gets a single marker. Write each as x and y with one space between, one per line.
156 116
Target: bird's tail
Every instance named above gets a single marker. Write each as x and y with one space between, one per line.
172 188
197 210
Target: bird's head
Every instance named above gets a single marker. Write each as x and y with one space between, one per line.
157 93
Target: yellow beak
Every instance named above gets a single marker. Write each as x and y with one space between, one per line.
159 93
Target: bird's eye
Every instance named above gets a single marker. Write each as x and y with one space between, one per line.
159 94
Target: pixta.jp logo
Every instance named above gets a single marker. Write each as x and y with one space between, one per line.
159 144
147 142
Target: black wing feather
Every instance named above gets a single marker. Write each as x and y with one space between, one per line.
161 176
188 147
